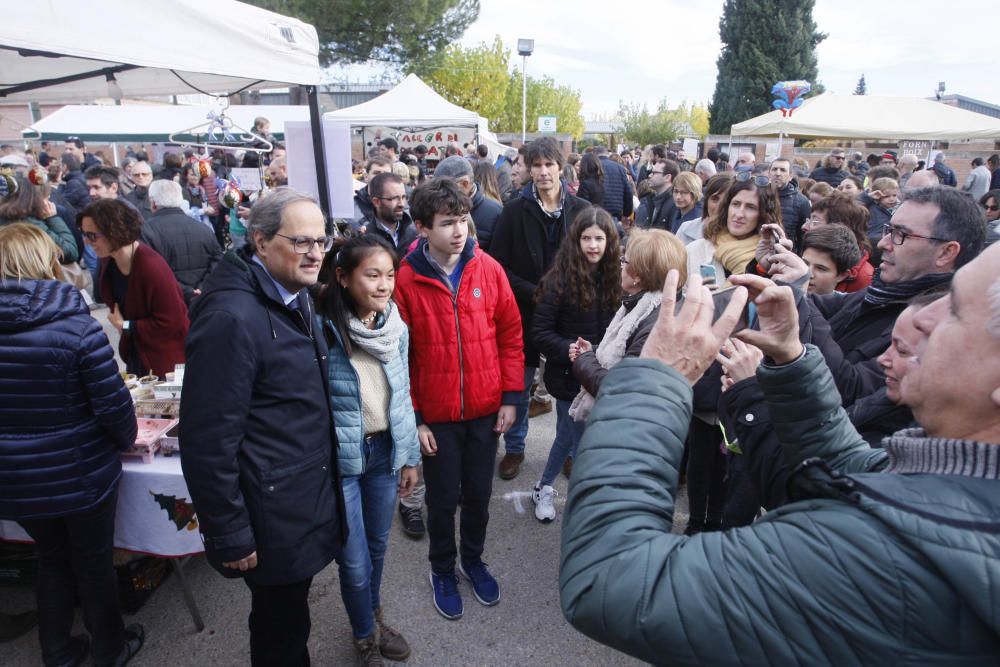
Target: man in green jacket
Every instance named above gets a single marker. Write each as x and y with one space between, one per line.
889 557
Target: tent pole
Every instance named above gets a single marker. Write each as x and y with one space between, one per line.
315 122
114 149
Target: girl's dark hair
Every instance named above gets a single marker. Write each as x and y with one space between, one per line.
335 302
591 168
27 202
767 198
120 223
573 278
841 208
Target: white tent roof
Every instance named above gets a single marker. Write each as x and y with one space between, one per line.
154 47
152 123
872 117
411 105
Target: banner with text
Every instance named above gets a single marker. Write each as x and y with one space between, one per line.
436 139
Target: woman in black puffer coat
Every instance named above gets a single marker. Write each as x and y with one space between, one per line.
64 416
577 299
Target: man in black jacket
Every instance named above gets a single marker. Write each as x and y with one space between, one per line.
260 451
656 210
189 247
74 185
390 217
527 236
142 176
795 206
832 171
617 189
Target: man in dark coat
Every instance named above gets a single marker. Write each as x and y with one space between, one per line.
527 236
74 185
188 246
795 206
390 218
832 171
258 439
485 211
142 176
364 209
657 209
617 189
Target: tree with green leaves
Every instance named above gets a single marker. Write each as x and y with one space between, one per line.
398 33
479 79
764 41
641 127
862 87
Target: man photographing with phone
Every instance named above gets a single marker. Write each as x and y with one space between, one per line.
889 555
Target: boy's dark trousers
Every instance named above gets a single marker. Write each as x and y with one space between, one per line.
460 472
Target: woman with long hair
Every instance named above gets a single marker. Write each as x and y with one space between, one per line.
66 415
576 300
27 204
730 238
591 186
485 177
715 191
377 442
147 305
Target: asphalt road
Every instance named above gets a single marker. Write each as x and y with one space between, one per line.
526 627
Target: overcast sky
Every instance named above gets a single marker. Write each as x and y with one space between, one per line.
642 51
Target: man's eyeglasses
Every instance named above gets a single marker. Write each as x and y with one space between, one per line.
622 260
304 244
142 174
661 173
899 236
92 236
760 180
395 199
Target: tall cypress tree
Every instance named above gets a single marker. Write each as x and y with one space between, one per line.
764 41
862 87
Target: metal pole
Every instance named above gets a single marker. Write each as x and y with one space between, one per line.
524 99
315 123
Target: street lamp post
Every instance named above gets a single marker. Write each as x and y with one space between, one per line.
525 47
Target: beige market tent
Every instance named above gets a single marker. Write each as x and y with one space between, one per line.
871 117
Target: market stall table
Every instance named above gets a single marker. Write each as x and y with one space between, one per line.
155 517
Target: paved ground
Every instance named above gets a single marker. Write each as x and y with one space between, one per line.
527 627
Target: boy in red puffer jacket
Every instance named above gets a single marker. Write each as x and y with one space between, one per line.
466 372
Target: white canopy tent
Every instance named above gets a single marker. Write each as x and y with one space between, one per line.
146 123
62 51
872 117
412 107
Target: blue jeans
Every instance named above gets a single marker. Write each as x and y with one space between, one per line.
513 439
369 501
568 434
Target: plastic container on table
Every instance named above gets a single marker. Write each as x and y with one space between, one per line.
147 442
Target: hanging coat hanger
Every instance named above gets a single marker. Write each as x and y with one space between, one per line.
233 136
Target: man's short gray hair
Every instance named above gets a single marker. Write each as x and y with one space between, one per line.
268 211
166 194
454 167
705 166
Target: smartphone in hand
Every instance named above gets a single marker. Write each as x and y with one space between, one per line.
709 277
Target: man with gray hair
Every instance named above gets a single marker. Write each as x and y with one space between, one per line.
260 451
485 211
188 246
705 169
906 166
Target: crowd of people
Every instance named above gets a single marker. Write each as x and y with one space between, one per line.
835 420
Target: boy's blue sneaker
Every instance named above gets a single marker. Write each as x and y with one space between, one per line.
484 586
447 600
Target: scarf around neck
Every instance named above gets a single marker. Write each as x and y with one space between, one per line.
734 254
382 342
880 293
614 345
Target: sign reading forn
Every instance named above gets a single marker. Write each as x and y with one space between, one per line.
920 149
547 123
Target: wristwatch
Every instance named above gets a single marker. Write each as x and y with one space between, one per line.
126 327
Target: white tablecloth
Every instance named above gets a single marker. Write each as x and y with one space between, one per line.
154 516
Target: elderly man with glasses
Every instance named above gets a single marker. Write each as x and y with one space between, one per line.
260 455
142 176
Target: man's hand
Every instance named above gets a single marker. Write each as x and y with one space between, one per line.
688 341
407 480
50 209
579 347
739 361
778 318
772 239
428 446
505 418
244 564
787 267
